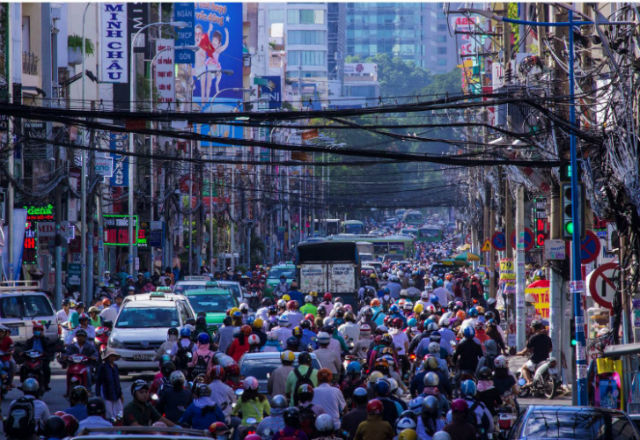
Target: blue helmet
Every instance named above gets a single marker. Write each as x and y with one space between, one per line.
469 332
354 367
412 322
468 388
473 312
439 283
185 332
434 299
382 387
393 309
415 405
203 338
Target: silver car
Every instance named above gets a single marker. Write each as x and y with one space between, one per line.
260 365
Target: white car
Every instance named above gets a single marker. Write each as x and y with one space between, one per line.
22 304
142 325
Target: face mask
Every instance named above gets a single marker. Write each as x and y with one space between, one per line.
37 333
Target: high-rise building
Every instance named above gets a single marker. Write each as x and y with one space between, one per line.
415 32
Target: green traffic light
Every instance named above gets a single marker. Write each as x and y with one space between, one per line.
569 227
574 342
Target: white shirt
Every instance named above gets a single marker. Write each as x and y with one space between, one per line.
92 422
223 395
350 331
331 400
110 313
283 333
399 340
62 316
295 318
443 296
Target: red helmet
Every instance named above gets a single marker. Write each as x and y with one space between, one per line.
232 370
292 305
459 405
309 317
217 372
70 424
245 330
327 296
375 407
397 322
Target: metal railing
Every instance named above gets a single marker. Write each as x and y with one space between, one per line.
29 63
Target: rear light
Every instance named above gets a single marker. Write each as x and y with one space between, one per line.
59 330
412 357
504 421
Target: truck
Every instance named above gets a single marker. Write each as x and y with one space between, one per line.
329 267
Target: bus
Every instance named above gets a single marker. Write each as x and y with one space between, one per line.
396 246
413 218
326 226
429 234
352 227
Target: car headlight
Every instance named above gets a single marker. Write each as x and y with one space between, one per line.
115 343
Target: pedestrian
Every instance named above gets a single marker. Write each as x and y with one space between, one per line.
108 384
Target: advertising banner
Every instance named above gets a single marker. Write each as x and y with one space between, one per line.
114 49
269 92
120 177
138 17
164 77
220 130
184 37
217 69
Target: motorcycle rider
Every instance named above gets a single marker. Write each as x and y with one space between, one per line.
96 418
277 379
203 411
40 344
283 330
31 389
328 358
350 331
329 398
282 288
78 399
468 352
352 419
375 427
539 346
430 420
308 306
84 347
221 393
275 422
139 412
111 313
459 428
293 314
174 399
484 424
291 431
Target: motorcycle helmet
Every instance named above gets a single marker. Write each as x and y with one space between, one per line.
185 332
484 373
172 331
360 396
408 306
459 405
291 417
254 340
382 387
375 302
292 305
430 363
491 347
374 407
327 296
79 394
203 338
137 385
468 388
430 406
202 390
283 321
304 393
394 309
297 332
279 402
431 379
434 348
96 407
412 322
415 405
30 386
408 434
323 338
71 424
441 435
405 423
232 370
54 427
469 332
305 324
250 383
324 424
177 379
432 327
354 367
218 428
501 362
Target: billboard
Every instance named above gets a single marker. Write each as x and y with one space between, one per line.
114 50
220 130
164 74
269 92
184 36
120 176
218 60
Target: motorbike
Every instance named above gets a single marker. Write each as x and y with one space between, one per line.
5 377
546 381
33 367
254 297
77 371
101 340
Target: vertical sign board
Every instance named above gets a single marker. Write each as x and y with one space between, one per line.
269 92
114 67
138 14
164 73
120 176
184 37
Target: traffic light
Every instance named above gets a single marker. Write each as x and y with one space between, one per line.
568 222
572 330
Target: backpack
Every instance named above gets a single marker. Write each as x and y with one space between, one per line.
21 421
308 421
182 356
301 380
472 418
201 365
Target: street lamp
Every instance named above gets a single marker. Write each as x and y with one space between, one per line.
132 64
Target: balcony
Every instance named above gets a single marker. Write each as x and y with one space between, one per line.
29 63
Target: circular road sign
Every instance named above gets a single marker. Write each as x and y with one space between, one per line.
498 241
601 285
589 248
528 239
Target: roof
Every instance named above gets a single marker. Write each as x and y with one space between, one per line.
148 300
209 291
269 355
572 408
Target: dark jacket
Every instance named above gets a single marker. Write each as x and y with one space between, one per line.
108 382
352 419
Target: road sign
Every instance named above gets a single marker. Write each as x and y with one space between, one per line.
498 241
589 248
528 239
601 284
486 247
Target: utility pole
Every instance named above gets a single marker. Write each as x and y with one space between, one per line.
519 266
555 277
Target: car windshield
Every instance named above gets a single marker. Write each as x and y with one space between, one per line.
148 317
259 367
276 273
26 306
210 303
185 287
578 425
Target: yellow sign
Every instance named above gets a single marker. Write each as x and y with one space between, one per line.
486 247
541 297
507 272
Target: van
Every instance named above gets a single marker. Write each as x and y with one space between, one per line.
22 305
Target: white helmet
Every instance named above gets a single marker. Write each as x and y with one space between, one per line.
444 321
283 321
424 295
254 339
405 423
281 303
434 348
500 362
441 435
308 299
323 338
324 423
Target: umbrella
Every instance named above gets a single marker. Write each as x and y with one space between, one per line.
464 247
467 256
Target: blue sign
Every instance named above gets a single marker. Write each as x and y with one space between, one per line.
120 177
270 91
185 36
498 241
217 69
221 130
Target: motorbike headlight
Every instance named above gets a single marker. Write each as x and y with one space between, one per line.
115 343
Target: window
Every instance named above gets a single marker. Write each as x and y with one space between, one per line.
442 27
442 51
305 16
306 37
28 306
148 317
26 33
184 313
276 16
211 303
306 58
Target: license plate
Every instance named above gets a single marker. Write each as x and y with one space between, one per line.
142 357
